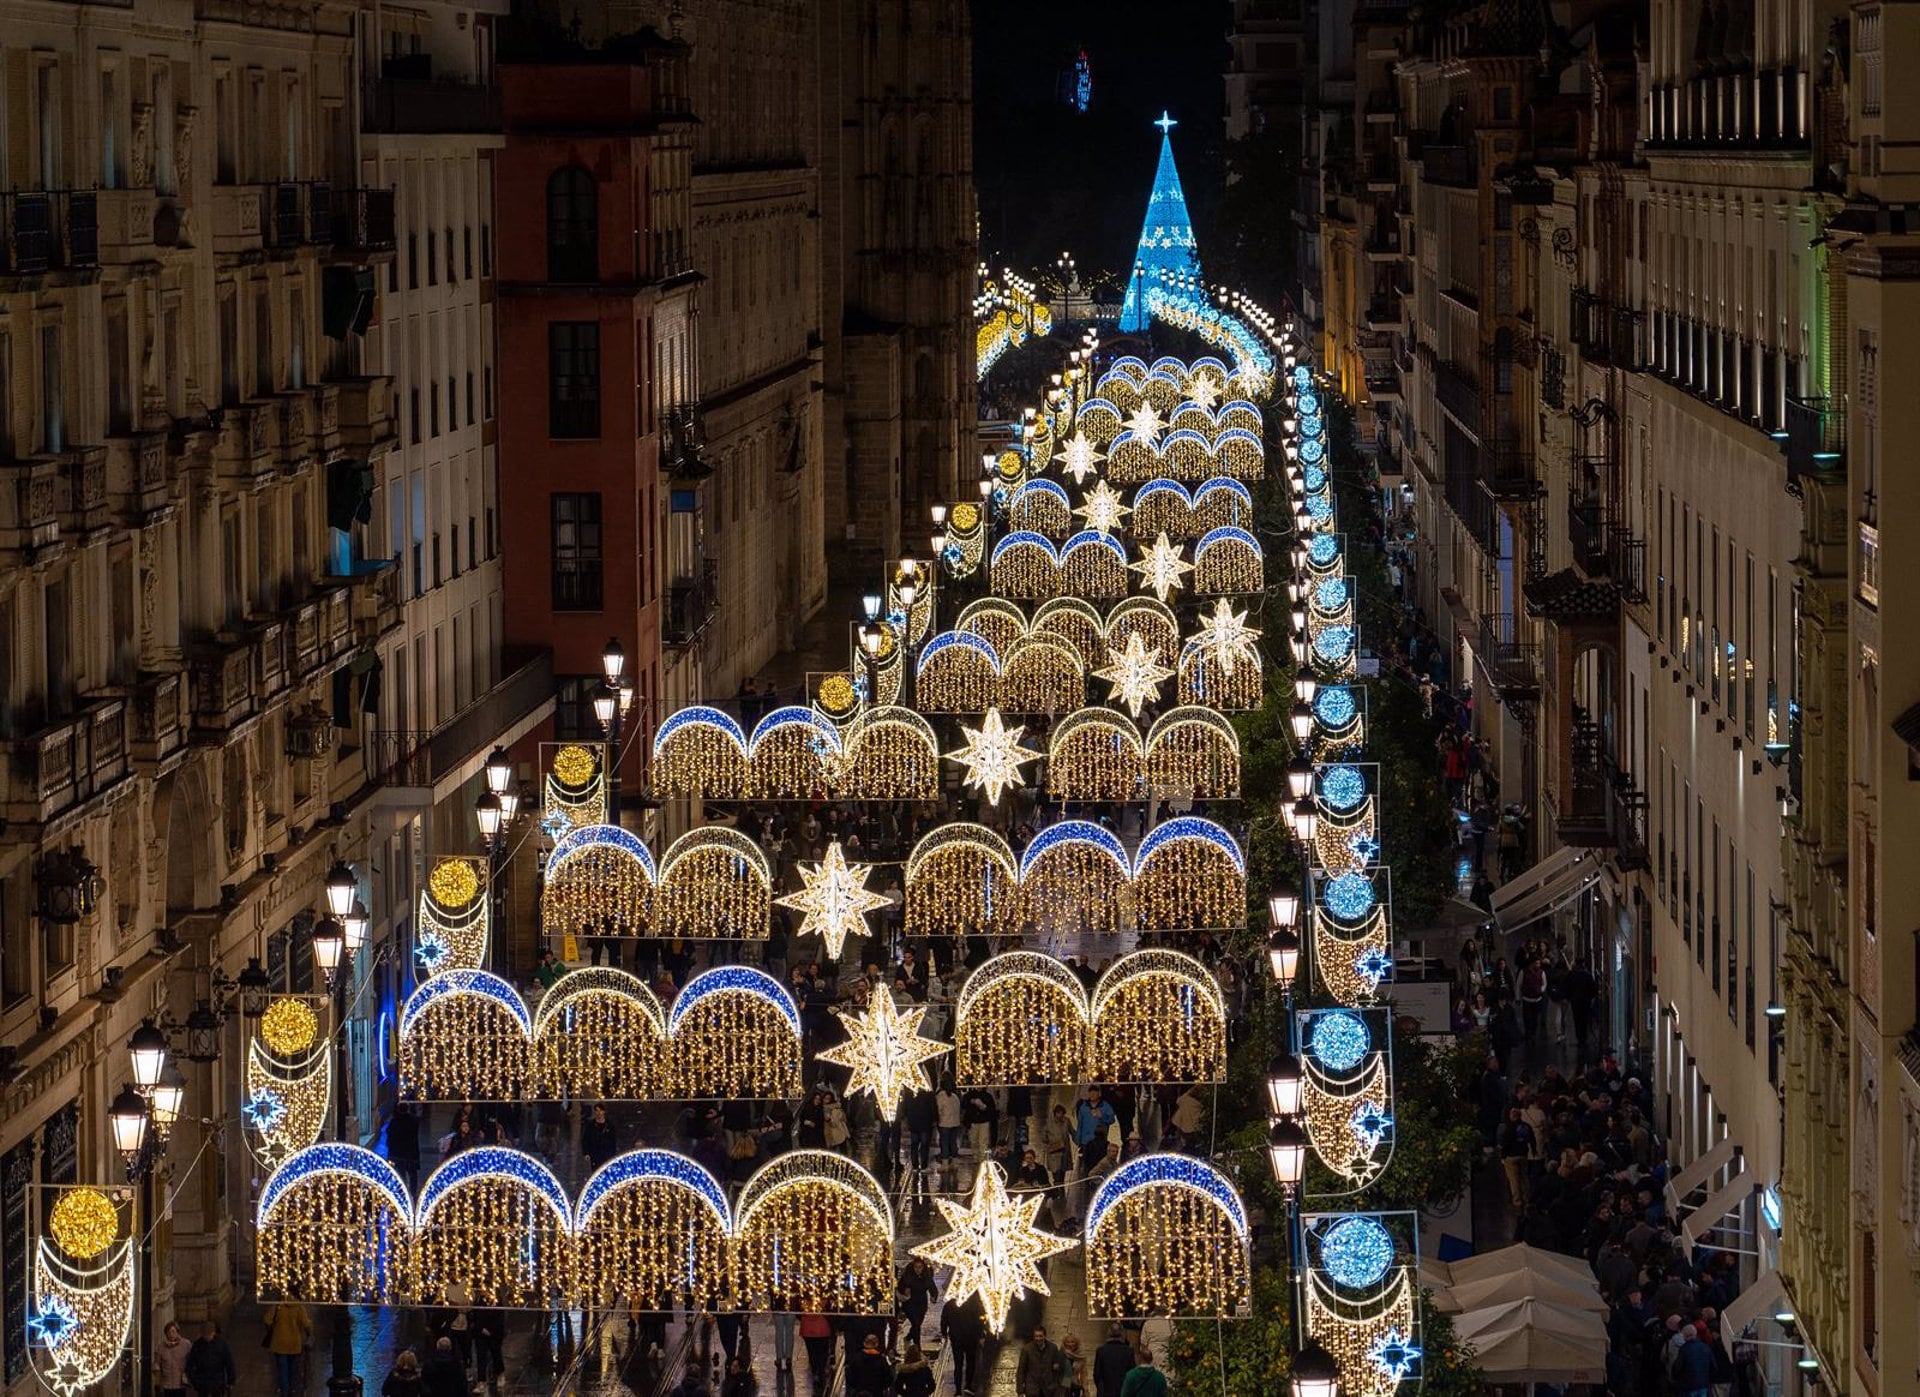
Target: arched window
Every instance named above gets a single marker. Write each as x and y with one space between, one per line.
573 234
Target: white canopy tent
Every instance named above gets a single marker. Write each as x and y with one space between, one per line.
1532 1341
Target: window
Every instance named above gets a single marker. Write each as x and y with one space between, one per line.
433 257
413 415
453 406
452 277
413 261
486 249
576 552
573 718
53 401
470 416
573 238
263 380
433 409
573 378
466 243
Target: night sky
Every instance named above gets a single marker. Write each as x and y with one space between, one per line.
1053 179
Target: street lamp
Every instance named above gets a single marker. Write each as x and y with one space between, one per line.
1287 1153
1306 820
1299 777
1286 1086
1305 686
1315 1374
255 989
341 886
329 947
499 770
128 1117
1283 908
1283 958
355 924
1301 719
147 1050
613 662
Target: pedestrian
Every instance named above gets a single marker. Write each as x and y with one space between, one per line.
489 1340
1076 1365
868 1372
1112 1361
784 1325
1533 997
403 1380
914 1377
1144 1380
964 1326
740 1380
210 1363
817 1334
170 1361
444 1377
1042 1371
917 1113
914 1295
287 1331
949 1113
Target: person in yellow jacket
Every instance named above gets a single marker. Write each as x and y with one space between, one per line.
287 1331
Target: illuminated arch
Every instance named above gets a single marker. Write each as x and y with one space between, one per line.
1093 564
892 754
1240 454
1164 387
1162 506
1189 873
1075 621
1194 752
1021 1019
1149 618
599 1035
1100 420
1222 503
791 753
1166 1235
1041 507
1158 1016
734 1032
599 883
1095 754
700 752
995 620
1203 681
814 1232
1075 876
652 1222
1131 367
335 1221
1187 455
1132 460
1241 414
1024 566
1228 561
465 1035
962 880
1042 674
957 672
714 882
1191 417
494 1225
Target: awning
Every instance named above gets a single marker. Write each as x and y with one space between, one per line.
1696 1174
1545 888
1766 1296
1706 1217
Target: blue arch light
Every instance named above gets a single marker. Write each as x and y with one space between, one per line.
455 982
584 837
794 716
1339 1040
1178 1169
723 978
1162 486
966 640
1188 827
493 1161
1042 487
638 1165
702 716
1021 537
1075 832
335 1159
1224 485
1226 533
1095 538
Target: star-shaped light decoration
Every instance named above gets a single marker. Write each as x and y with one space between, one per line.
1103 508
1393 1355
1204 391
884 1051
1373 965
1161 568
836 899
263 1110
1147 424
993 755
430 950
993 1246
52 1323
1225 636
1080 459
1370 1124
1136 675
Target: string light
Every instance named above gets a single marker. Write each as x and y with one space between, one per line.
1162 568
1357 1252
892 754
1146 424
993 756
1189 873
835 900
700 752
1043 674
599 882
813 1232
1339 1040
1093 564
1342 788
80 1317
453 935
714 882
1152 620
1158 1016
1041 507
1021 1018
600 1035
289 1026
993 1246
494 1227
335 1221
995 620
287 1101
1135 675
1075 875
1193 751
1166 1235
1094 754
885 1052
1351 1332
652 1223
734 1032
84 1223
1228 559
1074 620
1227 639
465 1035
1204 679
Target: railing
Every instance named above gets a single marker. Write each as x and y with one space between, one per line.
1627 562
362 220
1508 472
69 761
1457 392
1601 808
1816 439
41 230
422 758
691 604
1733 112
1587 532
428 106
1510 655
1448 165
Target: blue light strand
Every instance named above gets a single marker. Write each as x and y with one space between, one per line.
701 716
1178 1169
351 1160
493 1162
1335 707
947 640
793 716
1075 832
724 978
1334 643
1324 549
637 1166
474 982
1025 538
603 837
1094 538
1187 827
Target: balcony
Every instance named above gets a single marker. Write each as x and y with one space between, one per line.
160 719
243 452
1627 562
51 774
83 491
395 104
1587 532
1608 334
374 591
1457 392
1387 316
362 222
43 231
319 635
1508 473
1601 809
225 696
138 488
29 506
691 604
1383 383
416 760
362 420
1509 653
1815 443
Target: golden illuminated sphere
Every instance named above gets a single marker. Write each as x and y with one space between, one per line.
289 1027
886 643
454 883
965 516
573 765
836 693
84 1223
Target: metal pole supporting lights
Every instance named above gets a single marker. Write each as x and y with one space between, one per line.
330 956
607 707
142 1118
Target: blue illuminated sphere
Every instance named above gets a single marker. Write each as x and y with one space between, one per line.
1311 452
1330 594
1335 643
1309 405
1334 707
1342 787
1314 478
1357 1252
1312 429
1324 549
1339 1040
1349 896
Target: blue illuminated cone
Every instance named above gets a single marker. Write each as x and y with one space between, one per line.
1167 244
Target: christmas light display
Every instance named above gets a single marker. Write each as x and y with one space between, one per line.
1189 873
835 900
1166 1235
1323 555
1021 1018
1163 507
1333 651
891 754
287 1100
494 1227
1042 674
995 620
1041 507
1239 414
1135 675
1023 565
465 1035
1075 621
961 880
734 1031
957 672
993 1246
993 756
1162 568
1228 560
1337 721
599 882
793 754
289 1026
576 789
454 921
884 1051
1360 1291
1145 425
1080 459
1149 619
1158 1016
1134 457
1187 454
1356 1251
1193 753
79 1313
1095 754
1239 454
1075 876
700 752
334 1222
1221 503
1102 508
1100 421
1204 680
966 540
1226 639
1342 788
714 882
652 1223
1347 1094
1093 564
1348 897
814 1231
1167 244
599 1035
